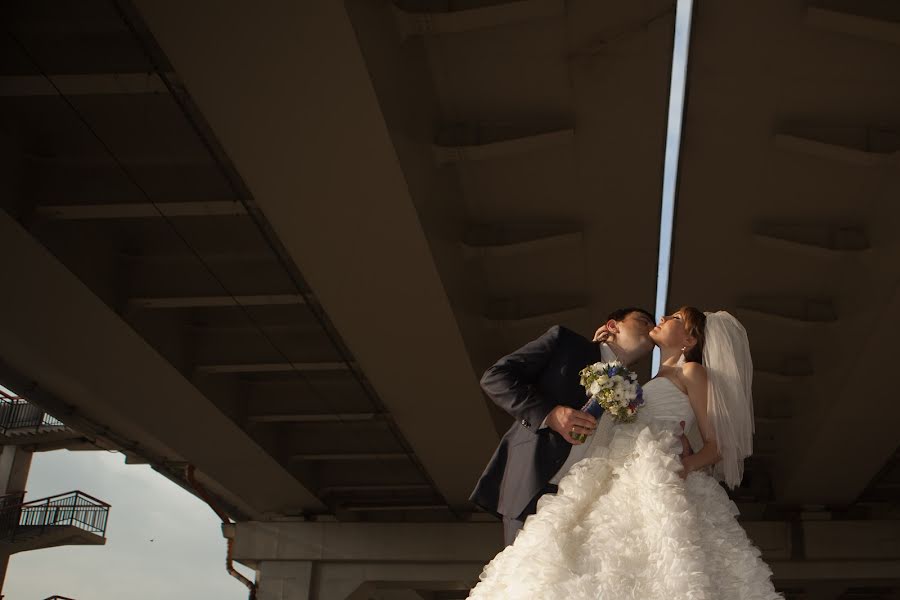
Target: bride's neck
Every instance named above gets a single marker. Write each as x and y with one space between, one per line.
669 357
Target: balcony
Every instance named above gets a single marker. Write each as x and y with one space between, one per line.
73 518
23 423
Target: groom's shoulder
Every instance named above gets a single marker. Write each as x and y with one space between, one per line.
562 332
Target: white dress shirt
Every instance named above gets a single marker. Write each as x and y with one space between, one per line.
579 451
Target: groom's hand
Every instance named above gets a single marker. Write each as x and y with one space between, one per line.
565 421
601 335
686 449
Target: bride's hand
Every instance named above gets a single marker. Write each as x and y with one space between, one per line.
565 421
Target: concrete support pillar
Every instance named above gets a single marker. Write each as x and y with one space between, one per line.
15 464
363 561
312 580
4 563
328 560
315 580
825 591
391 581
284 580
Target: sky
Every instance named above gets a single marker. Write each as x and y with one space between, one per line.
184 560
673 144
163 542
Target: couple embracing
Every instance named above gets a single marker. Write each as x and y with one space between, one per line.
633 511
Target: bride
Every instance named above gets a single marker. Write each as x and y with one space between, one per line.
634 519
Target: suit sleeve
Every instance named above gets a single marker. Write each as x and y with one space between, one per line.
511 382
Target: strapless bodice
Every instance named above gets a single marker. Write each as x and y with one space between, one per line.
665 406
664 402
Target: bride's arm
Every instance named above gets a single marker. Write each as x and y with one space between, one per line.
694 376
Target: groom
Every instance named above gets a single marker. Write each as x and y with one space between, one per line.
539 386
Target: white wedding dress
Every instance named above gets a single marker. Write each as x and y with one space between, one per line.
625 525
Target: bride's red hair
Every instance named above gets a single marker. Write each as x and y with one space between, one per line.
695 326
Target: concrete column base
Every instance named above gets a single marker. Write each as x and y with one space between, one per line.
391 581
327 560
314 580
284 580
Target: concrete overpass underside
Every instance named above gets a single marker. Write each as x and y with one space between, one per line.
280 242
302 239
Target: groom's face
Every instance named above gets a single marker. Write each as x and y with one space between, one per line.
634 332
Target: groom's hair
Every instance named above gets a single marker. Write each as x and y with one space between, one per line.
619 315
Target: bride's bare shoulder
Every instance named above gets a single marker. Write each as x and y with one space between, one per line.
693 369
692 374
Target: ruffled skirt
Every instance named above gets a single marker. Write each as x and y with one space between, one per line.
624 525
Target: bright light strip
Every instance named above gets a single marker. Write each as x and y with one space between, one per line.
683 13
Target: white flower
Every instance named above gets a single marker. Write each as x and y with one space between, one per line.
614 393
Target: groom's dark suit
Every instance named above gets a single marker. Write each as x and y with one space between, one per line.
528 384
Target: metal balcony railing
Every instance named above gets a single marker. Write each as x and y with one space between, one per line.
18 413
73 509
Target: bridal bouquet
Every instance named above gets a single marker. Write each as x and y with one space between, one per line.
611 387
